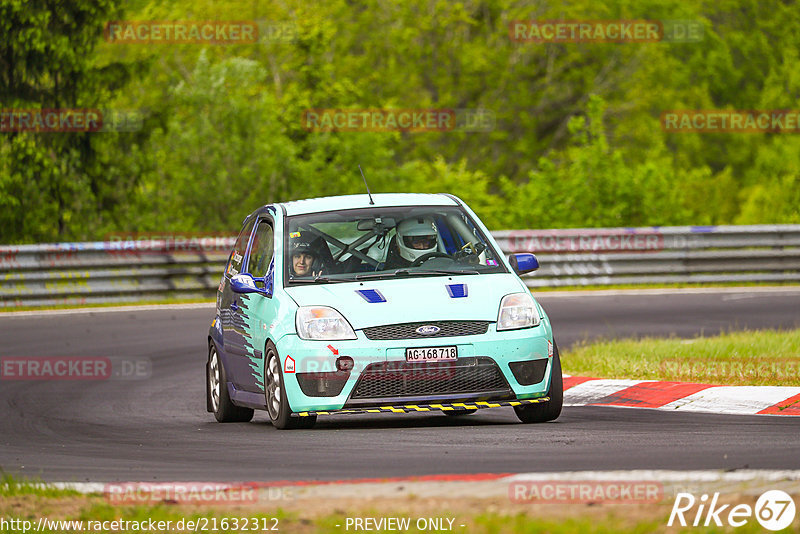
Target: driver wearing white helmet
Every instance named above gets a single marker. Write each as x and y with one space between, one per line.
416 236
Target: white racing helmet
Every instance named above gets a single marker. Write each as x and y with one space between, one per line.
416 237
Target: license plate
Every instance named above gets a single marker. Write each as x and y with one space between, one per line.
432 354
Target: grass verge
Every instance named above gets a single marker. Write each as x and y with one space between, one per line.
151 302
754 358
465 515
12 487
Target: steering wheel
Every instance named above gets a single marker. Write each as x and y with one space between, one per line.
425 257
469 250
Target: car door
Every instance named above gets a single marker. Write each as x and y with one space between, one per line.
256 311
232 325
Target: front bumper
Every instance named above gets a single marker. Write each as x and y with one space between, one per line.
313 384
414 408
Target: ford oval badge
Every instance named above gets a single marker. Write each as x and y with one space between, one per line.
427 330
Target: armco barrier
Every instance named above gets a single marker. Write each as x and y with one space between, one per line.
120 271
113 271
659 255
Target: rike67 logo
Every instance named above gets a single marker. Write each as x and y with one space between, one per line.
774 510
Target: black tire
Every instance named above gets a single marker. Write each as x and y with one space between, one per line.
217 399
459 412
547 411
277 404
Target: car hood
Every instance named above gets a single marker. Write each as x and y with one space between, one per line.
412 299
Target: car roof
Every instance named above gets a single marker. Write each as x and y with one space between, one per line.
345 202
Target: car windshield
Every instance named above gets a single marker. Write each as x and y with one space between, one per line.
384 243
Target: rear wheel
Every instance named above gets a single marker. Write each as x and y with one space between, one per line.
546 411
218 400
277 403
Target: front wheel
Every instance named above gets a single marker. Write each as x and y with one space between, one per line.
277 403
547 411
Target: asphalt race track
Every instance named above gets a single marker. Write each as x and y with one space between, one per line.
157 428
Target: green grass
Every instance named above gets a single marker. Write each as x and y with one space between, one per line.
578 518
25 500
765 357
91 508
13 487
524 523
151 302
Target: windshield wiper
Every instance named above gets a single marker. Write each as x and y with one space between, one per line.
315 280
382 274
446 271
415 272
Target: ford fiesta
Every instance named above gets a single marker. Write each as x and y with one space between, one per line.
389 303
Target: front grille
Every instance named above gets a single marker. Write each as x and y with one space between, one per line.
408 330
472 375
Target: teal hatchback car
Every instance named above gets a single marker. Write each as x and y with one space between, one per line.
368 304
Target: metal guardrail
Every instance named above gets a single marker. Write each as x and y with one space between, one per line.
112 271
659 255
130 271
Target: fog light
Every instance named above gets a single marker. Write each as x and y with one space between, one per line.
344 363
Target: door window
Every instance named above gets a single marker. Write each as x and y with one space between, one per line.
235 261
261 250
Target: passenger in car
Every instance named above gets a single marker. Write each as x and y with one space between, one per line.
305 256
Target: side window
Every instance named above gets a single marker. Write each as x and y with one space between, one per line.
235 261
262 249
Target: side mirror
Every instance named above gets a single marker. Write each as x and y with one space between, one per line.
523 263
245 283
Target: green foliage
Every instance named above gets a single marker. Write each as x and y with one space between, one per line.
11 486
56 185
577 140
591 184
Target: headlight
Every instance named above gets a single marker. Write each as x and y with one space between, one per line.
322 323
517 311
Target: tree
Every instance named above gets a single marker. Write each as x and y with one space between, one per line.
56 185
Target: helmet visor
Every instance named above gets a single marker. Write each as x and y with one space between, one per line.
420 242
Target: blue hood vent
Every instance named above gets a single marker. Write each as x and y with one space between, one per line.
457 291
371 295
